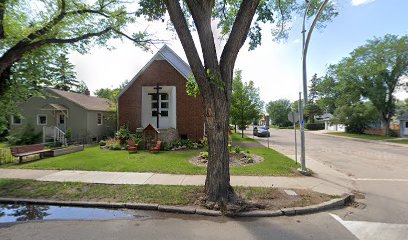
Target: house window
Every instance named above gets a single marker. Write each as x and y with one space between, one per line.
15 120
41 119
100 118
406 124
61 119
164 104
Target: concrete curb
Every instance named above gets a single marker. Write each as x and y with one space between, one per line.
332 204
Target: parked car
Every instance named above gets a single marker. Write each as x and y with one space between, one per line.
255 131
261 131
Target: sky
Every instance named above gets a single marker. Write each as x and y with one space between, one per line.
276 68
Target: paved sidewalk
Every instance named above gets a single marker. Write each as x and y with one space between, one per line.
312 183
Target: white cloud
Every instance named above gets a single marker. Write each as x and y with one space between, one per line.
360 2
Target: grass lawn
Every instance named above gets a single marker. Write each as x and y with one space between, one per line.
5 154
236 137
271 198
275 164
96 159
402 141
173 162
361 136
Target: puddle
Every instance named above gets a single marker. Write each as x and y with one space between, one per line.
25 212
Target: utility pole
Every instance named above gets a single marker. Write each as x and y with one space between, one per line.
305 46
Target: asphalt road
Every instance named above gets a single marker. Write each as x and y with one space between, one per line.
167 226
379 172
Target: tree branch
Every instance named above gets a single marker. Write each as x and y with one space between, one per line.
2 7
181 26
236 40
47 27
201 13
239 32
14 54
68 40
137 40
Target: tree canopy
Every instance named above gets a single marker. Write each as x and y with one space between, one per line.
278 112
26 26
374 72
246 104
63 74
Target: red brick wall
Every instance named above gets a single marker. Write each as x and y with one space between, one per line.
190 119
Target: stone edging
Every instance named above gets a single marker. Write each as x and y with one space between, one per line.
334 203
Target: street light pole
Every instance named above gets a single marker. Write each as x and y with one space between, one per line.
305 46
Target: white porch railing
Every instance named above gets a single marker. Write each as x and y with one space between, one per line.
54 133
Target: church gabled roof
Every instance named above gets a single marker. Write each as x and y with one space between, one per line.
165 53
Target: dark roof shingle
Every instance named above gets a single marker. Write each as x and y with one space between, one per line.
87 102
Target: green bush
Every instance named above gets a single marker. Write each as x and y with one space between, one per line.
392 133
204 155
186 144
314 126
25 136
116 146
123 134
237 149
68 134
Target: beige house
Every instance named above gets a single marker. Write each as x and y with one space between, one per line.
88 118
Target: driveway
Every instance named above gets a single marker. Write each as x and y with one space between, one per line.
378 170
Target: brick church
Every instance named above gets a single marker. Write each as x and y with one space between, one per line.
157 96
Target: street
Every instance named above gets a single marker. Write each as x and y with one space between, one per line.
375 170
379 171
168 226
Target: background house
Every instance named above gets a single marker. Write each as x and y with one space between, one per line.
168 108
88 118
403 125
328 125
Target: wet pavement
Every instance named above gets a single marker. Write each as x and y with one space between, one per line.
10 213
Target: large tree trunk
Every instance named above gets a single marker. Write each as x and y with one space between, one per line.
214 80
386 123
5 80
217 185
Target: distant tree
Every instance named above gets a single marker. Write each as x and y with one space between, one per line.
356 117
278 112
376 69
401 106
64 75
295 106
311 110
82 88
329 92
246 104
111 93
313 94
30 75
